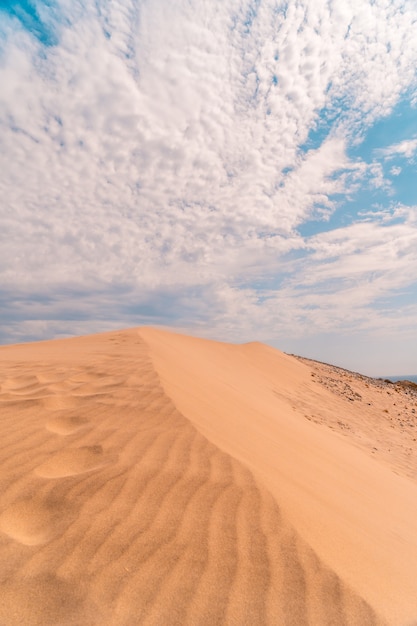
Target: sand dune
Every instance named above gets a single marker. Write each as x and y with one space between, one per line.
151 478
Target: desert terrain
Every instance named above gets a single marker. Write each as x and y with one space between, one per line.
148 477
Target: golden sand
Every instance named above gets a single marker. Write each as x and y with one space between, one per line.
151 478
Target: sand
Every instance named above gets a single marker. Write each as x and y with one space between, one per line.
151 478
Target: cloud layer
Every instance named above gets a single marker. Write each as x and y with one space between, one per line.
159 162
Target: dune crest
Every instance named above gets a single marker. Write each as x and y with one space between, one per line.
256 403
130 493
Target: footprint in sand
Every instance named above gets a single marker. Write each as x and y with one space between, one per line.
74 461
67 425
32 521
20 383
45 599
59 402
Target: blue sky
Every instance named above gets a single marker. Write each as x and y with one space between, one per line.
239 170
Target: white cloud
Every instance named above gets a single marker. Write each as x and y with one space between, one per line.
377 179
349 279
168 146
405 149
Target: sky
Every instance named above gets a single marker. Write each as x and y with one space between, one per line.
236 169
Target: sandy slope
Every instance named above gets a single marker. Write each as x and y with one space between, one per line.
150 478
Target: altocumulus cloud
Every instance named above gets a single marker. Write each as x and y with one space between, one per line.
198 164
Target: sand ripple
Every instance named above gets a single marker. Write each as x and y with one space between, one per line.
122 513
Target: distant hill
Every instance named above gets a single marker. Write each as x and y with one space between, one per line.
395 379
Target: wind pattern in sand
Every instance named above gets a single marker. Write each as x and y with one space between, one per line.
114 509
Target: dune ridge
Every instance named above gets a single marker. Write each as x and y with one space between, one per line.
120 505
